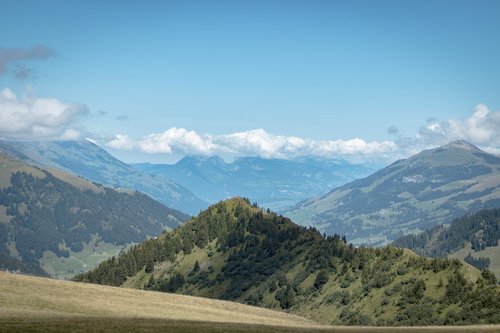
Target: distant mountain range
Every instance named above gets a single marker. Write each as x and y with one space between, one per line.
273 183
86 159
409 196
64 224
239 252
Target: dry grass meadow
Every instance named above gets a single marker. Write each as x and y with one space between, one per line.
32 304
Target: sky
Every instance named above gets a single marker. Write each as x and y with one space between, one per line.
155 80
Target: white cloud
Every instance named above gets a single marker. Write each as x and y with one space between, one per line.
256 142
177 139
481 128
38 118
121 142
259 142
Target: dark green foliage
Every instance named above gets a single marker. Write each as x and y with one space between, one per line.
458 288
418 314
481 229
338 297
489 276
286 297
413 292
480 263
479 305
11 264
321 279
354 317
149 265
173 284
151 285
196 267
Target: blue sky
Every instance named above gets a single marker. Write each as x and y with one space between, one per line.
154 80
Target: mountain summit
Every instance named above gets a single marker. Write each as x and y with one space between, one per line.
410 195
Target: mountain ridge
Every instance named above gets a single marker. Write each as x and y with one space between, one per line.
274 183
408 196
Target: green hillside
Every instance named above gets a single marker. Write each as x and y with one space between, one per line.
65 224
409 196
472 238
236 251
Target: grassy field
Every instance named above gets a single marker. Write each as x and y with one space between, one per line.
8 166
32 304
493 253
87 259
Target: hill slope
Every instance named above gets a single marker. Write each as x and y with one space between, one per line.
238 252
66 224
473 237
26 300
273 183
86 159
409 196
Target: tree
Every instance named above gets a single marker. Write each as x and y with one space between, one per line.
489 276
196 267
151 283
149 265
321 279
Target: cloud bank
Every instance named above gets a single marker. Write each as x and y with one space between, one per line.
481 128
38 118
256 142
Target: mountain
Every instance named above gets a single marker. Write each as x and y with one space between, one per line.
473 238
409 196
274 183
63 224
86 159
239 252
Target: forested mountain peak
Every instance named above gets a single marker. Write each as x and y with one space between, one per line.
236 251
